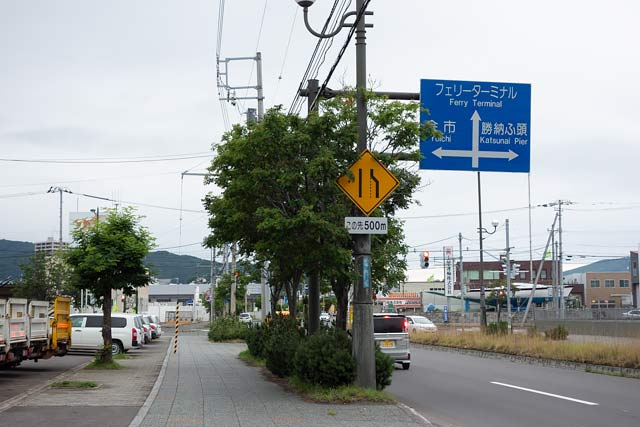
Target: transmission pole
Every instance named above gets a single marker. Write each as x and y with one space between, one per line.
223 83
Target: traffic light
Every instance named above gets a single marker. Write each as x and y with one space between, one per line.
424 259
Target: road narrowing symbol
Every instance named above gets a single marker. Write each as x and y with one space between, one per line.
372 183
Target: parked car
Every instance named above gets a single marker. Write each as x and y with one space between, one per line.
155 321
421 324
86 332
631 314
246 318
391 334
152 325
146 323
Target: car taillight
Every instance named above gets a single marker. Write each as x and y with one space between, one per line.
405 326
134 333
153 326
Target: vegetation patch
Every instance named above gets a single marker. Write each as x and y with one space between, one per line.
342 394
225 329
617 355
612 374
75 384
121 356
247 357
96 364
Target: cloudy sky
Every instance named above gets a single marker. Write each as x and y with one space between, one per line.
96 97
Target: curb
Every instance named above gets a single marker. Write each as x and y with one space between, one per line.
600 369
144 409
415 413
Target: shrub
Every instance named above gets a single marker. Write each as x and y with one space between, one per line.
325 359
500 328
255 338
227 328
281 342
384 369
559 333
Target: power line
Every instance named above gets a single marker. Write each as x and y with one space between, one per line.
108 160
297 101
286 52
352 31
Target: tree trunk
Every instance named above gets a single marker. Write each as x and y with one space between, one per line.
341 290
104 355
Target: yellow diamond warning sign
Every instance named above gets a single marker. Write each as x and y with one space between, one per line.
372 183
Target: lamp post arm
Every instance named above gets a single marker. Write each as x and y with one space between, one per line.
337 30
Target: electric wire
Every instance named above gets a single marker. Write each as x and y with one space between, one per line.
253 63
352 31
106 160
297 101
286 53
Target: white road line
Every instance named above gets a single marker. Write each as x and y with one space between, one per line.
584 402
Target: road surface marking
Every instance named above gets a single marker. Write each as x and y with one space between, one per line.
584 402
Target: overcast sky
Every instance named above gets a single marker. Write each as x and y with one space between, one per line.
131 80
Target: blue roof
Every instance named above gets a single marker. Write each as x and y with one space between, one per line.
617 265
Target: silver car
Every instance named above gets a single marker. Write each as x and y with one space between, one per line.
421 324
391 334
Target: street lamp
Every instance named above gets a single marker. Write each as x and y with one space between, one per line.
363 345
483 304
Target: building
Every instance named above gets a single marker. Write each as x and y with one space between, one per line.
51 246
183 294
635 286
607 283
492 272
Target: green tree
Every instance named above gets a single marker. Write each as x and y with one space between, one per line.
44 277
281 204
110 256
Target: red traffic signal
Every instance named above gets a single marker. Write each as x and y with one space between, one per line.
424 259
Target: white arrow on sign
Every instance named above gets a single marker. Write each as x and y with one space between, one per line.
475 152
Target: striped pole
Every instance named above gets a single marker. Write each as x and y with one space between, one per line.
175 342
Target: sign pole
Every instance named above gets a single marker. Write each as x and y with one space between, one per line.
483 306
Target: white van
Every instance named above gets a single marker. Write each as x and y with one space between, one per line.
86 332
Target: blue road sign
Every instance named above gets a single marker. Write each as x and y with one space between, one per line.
485 126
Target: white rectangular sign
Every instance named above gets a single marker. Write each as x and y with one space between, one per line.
365 225
449 274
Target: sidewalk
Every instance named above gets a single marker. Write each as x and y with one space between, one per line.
207 385
204 384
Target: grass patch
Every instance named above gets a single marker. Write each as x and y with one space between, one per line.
345 394
101 365
250 359
612 374
617 355
74 384
121 356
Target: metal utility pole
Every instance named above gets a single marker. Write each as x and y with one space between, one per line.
463 305
483 304
223 83
314 276
535 282
560 278
234 283
509 271
263 296
212 286
59 190
363 345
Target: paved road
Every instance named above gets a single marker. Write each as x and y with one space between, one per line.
31 374
453 389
